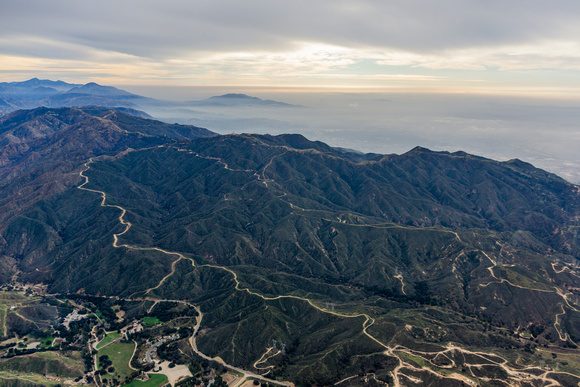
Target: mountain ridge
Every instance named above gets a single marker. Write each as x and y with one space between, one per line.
382 265
35 93
43 147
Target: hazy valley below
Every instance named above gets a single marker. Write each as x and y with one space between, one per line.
540 131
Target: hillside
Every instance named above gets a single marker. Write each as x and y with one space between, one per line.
41 150
411 267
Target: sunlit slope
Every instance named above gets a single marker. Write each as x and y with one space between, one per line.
43 150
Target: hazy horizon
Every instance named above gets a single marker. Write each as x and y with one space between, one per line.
499 79
447 46
542 131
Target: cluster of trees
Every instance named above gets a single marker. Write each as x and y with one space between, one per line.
105 365
103 305
194 381
77 329
24 351
203 371
170 351
167 311
422 295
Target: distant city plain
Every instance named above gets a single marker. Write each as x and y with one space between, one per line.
541 131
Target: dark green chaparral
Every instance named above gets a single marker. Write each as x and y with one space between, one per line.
316 266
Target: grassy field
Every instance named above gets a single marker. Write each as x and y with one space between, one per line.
524 278
151 321
32 368
46 342
415 359
3 315
108 338
22 378
11 298
73 359
120 354
155 380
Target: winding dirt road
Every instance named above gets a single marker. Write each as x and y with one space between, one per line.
515 375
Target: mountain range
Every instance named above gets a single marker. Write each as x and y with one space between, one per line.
309 264
36 92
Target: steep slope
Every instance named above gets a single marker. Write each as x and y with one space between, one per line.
420 188
357 266
41 150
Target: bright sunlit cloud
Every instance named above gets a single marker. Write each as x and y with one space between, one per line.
441 46
562 55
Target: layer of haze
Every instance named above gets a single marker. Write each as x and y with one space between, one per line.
543 132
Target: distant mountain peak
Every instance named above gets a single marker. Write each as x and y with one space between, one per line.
36 82
96 89
419 149
240 99
37 92
235 95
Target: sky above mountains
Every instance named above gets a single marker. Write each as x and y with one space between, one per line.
516 47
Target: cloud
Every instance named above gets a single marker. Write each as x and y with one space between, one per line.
260 38
157 29
542 55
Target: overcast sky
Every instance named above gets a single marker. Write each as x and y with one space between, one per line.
518 46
